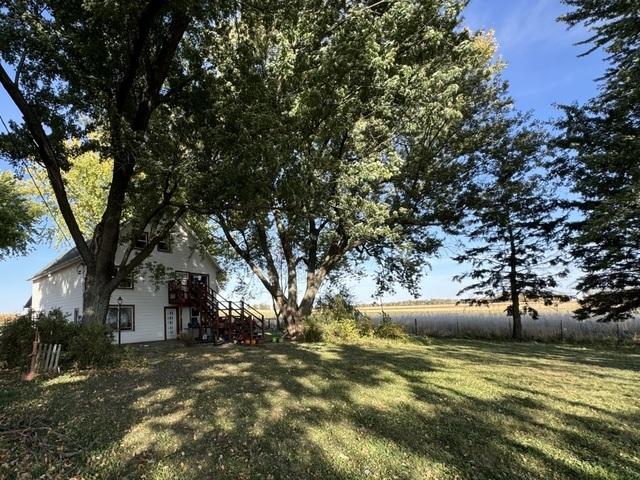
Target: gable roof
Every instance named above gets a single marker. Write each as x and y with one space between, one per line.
72 256
68 258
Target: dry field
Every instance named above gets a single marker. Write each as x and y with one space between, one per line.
6 318
554 323
451 320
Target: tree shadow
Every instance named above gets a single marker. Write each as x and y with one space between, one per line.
320 411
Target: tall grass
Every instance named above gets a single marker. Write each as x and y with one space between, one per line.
486 323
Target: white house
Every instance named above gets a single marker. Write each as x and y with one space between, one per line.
145 312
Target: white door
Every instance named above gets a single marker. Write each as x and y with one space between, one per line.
170 323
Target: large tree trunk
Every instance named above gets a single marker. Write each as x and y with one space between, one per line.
95 298
517 318
515 291
291 316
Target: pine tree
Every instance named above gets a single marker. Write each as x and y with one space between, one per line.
602 148
512 227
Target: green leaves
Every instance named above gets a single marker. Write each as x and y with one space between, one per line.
601 151
513 223
18 217
339 133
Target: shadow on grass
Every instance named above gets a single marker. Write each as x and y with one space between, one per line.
348 411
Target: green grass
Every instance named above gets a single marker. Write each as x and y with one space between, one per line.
443 410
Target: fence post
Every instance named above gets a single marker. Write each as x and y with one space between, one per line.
415 321
561 331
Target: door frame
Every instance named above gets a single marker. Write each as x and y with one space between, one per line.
177 310
205 275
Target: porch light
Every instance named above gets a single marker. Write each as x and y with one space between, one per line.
119 317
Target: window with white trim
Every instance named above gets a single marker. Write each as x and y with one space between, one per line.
127 317
142 241
164 245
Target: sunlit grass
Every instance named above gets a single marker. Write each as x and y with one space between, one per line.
444 409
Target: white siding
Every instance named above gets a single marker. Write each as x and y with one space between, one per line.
63 289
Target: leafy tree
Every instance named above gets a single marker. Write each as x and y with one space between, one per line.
513 225
18 217
87 183
340 133
73 68
602 147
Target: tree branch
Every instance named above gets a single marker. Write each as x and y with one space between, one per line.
51 161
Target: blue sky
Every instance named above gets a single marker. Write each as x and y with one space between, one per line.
543 69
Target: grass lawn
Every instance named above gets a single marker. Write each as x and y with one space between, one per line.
450 409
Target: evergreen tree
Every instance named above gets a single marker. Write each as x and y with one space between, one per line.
512 226
602 158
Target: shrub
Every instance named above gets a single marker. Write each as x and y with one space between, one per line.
342 316
312 331
83 345
54 327
318 328
389 329
92 346
345 330
16 340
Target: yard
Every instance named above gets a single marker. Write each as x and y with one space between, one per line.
444 409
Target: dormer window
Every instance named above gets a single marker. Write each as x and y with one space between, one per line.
164 245
142 241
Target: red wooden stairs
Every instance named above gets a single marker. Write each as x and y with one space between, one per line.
221 320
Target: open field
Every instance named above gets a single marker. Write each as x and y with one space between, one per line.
451 320
496 308
448 409
554 323
6 318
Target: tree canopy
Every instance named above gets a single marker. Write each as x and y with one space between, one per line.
601 143
18 217
340 134
74 69
511 231
87 183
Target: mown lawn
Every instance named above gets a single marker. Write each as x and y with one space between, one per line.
445 410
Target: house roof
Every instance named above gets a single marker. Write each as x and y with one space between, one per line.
72 256
68 258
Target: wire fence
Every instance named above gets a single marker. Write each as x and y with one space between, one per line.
550 326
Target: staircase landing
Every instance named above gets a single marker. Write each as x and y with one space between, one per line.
221 320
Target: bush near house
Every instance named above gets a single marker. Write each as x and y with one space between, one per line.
390 329
82 345
338 320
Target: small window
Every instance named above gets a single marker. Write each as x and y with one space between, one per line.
127 317
142 241
127 282
194 321
164 245
200 278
